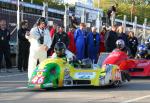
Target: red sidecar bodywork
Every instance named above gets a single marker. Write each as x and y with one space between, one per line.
136 67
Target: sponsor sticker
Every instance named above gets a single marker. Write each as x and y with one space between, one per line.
85 75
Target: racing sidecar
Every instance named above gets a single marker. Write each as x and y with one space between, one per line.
60 73
135 67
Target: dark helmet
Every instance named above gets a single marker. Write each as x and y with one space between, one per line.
60 48
120 44
42 20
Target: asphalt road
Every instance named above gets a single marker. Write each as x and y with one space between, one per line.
13 89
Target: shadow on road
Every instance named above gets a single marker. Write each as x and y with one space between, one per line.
136 84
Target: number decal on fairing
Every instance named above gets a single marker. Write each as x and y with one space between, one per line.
41 80
34 80
38 80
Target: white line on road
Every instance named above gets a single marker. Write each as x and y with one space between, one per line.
14 81
12 75
13 89
136 99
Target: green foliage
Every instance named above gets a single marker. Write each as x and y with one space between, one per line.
141 11
124 8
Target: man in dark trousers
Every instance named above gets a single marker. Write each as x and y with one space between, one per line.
4 45
23 47
110 39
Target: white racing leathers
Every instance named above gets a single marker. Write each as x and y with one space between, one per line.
69 55
37 52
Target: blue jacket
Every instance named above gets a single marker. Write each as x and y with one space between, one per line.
93 43
79 37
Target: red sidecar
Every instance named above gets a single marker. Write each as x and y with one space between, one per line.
136 67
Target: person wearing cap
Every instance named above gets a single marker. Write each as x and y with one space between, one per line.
40 41
93 44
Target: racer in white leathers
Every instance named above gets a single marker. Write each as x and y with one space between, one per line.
61 51
40 41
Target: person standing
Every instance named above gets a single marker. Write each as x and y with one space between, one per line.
113 15
40 41
74 22
133 43
102 36
23 47
110 39
60 36
122 35
71 46
93 45
4 45
79 37
53 30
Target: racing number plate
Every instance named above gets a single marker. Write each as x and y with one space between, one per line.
38 80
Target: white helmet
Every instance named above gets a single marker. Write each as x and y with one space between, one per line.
120 44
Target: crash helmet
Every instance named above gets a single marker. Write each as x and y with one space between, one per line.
147 43
120 44
59 49
142 50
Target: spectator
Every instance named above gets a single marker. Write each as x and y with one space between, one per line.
79 37
122 35
60 36
53 30
133 43
23 47
93 44
71 46
102 36
4 45
110 39
74 22
111 13
40 41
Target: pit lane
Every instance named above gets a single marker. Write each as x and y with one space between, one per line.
13 89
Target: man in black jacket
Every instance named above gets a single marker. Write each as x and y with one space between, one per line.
60 36
110 39
4 45
23 47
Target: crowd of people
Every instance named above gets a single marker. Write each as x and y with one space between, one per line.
41 42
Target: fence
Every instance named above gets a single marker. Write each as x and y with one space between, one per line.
141 31
11 17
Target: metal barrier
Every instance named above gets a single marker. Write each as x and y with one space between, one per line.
10 16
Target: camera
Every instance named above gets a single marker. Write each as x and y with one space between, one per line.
41 39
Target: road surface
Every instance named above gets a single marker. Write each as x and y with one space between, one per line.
13 89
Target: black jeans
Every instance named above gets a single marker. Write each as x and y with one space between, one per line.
5 51
23 56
